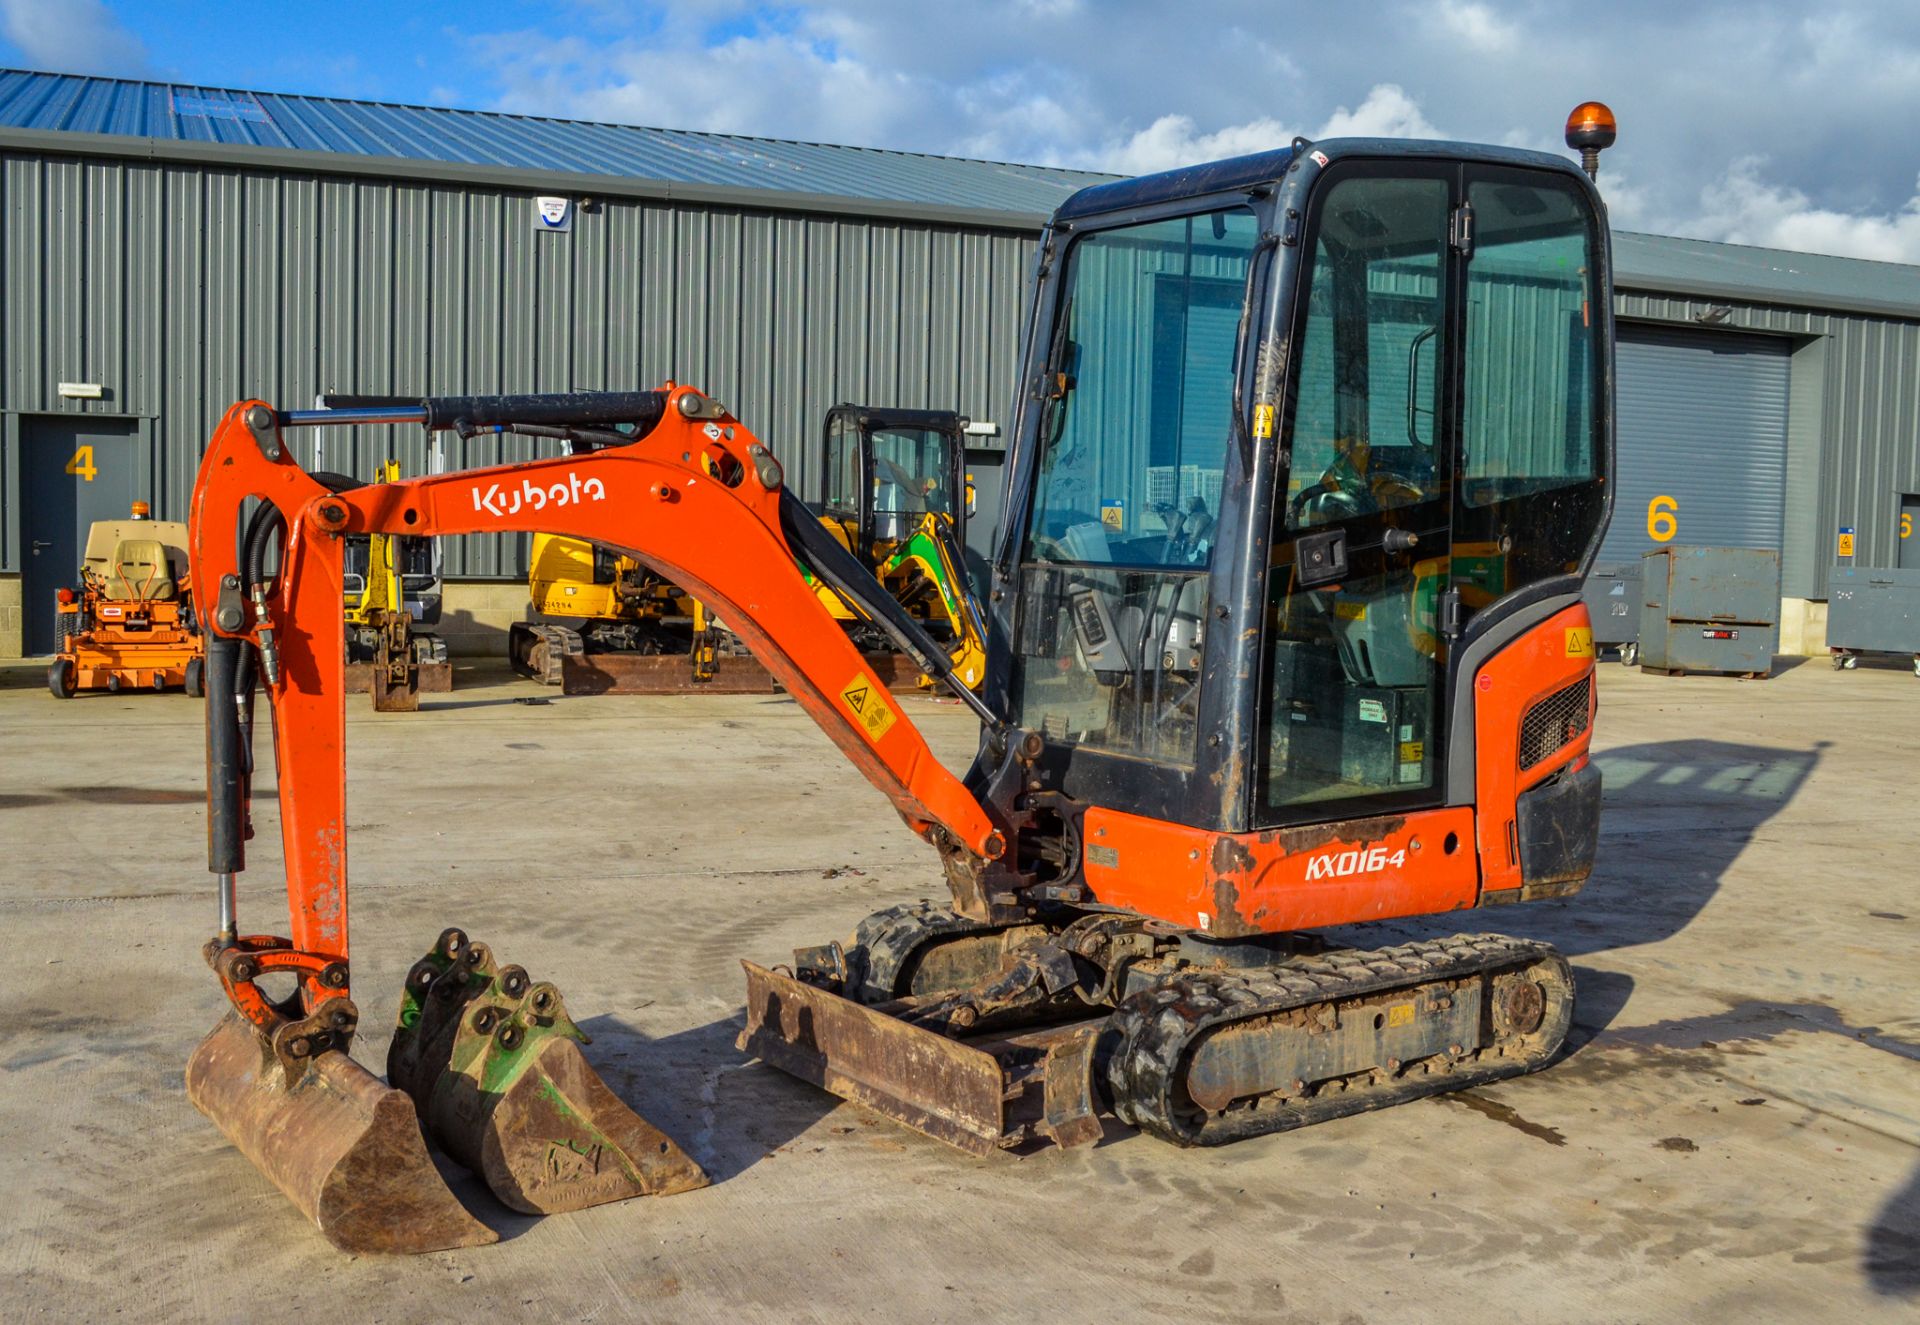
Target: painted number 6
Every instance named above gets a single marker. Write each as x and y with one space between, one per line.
1663 519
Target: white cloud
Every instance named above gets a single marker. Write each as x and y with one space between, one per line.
778 85
1174 140
73 37
1388 112
1698 87
1741 207
1477 25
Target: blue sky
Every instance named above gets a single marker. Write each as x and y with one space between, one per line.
1755 121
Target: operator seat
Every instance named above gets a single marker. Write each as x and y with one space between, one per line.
140 572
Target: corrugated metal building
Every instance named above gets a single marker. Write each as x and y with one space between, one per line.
180 247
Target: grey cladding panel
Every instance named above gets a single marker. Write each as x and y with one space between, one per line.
181 288
1702 419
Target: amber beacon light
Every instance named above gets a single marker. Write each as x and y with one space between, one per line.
1591 130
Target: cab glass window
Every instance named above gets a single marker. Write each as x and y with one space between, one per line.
1135 429
1527 411
1138 420
843 466
1364 420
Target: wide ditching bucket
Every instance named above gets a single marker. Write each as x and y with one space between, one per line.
345 1148
493 1063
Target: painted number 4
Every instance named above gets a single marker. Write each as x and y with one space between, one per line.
82 464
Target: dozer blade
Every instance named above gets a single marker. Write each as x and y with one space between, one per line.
345 1149
989 1095
493 1062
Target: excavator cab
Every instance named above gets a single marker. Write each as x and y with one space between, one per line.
887 469
1344 364
1311 451
897 497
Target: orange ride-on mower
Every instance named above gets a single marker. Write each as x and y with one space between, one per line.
129 625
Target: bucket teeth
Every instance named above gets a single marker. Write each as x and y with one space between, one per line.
345 1148
493 1062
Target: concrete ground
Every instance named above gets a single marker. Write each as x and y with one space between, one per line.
1735 1132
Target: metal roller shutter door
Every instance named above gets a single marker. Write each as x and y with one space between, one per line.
1702 421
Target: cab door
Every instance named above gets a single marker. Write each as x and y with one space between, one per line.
1360 562
1529 480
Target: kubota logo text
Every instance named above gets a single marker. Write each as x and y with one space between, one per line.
1337 865
571 491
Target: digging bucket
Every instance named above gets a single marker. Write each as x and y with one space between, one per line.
345 1148
492 1061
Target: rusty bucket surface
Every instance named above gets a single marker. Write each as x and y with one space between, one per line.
492 1059
556 1139
994 1093
345 1148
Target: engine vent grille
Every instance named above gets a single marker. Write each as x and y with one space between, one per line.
1550 724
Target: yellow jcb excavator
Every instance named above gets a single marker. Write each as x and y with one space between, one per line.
645 634
1202 744
897 496
391 589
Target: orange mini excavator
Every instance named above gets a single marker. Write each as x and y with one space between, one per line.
1312 449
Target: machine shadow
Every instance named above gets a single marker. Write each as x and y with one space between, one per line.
1598 998
1891 1258
739 1113
1675 816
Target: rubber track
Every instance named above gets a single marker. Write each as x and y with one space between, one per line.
560 641
1159 1026
886 941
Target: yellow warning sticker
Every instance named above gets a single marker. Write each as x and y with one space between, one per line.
1263 421
1400 1014
1579 641
1350 611
1846 543
870 710
1412 752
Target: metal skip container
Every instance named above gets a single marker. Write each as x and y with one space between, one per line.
1873 611
1710 609
1612 596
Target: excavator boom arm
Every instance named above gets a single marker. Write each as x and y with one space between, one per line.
697 498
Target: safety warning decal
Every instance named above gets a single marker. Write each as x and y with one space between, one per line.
1263 421
869 709
1579 641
